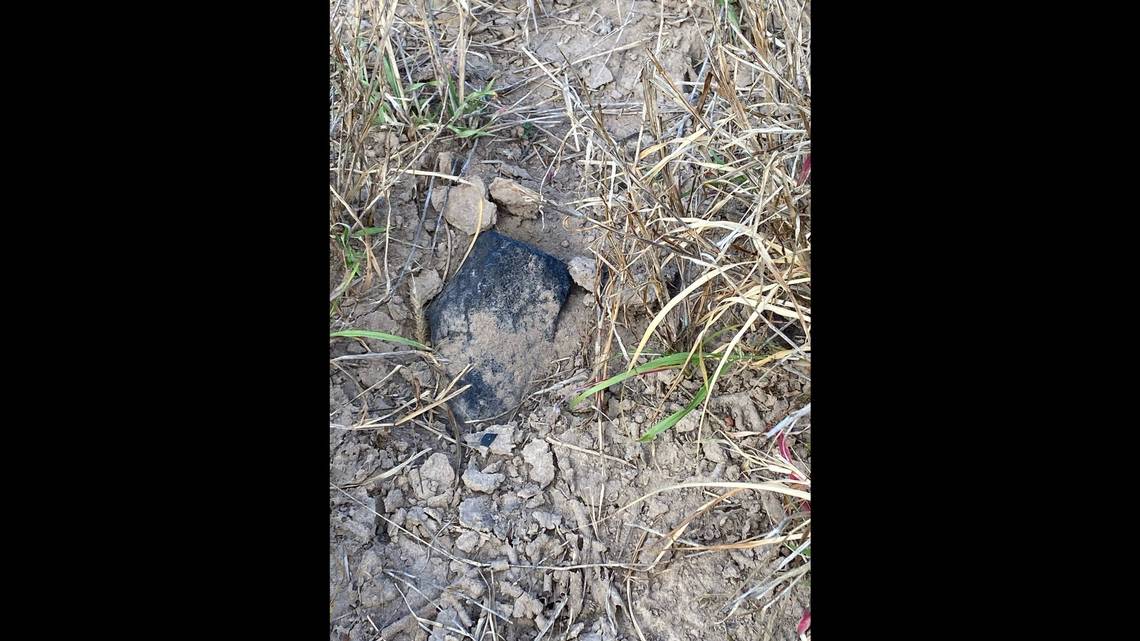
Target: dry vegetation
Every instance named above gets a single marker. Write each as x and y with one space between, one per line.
701 221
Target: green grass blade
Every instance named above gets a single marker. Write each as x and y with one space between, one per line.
453 99
467 133
675 416
668 361
368 231
390 74
380 336
664 362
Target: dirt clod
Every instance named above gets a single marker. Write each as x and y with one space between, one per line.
477 481
425 286
467 207
515 198
438 469
467 541
537 455
583 271
477 513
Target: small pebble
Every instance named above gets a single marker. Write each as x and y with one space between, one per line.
480 482
467 541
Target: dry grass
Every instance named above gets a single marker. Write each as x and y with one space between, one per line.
710 197
702 221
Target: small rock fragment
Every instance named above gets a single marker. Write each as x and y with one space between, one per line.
466 206
394 500
599 75
583 271
439 500
425 285
444 162
537 455
470 586
480 482
438 469
526 607
417 516
713 452
547 520
361 531
467 541
477 513
529 490
515 198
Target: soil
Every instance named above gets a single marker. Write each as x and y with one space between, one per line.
527 541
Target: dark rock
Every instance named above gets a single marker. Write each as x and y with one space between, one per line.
498 314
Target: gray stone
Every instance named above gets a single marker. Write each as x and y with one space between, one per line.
583 271
515 198
425 285
467 541
480 482
497 439
714 453
477 513
467 207
599 75
437 468
393 501
547 520
537 455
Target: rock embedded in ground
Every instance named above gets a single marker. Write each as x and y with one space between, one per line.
498 315
537 455
394 500
467 207
515 198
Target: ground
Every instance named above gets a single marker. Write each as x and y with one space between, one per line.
669 143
